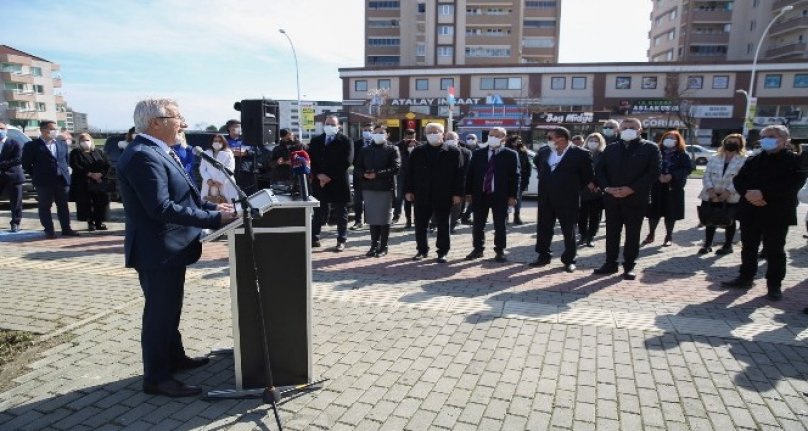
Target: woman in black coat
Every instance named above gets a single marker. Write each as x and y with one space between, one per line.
668 192
514 142
591 211
376 167
89 166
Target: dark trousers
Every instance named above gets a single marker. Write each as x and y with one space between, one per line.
358 203
14 199
399 201
544 232
618 216
321 218
499 211
589 217
46 196
729 235
669 225
457 210
423 213
92 207
160 336
774 242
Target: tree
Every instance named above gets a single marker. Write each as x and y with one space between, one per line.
211 128
681 103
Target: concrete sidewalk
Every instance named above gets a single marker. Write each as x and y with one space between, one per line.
419 345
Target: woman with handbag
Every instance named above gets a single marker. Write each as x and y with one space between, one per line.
377 166
591 211
719 192
89 183
668 192
215 186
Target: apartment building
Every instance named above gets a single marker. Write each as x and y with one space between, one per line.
30 90
726 30
76 122
291 116
459 32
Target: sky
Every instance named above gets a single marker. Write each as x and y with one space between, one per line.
207 54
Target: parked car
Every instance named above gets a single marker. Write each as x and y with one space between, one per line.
28 190
699 154
533 185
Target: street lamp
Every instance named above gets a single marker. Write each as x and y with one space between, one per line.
749 94
297 76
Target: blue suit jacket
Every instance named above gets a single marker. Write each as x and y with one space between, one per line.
506 174
45 170
11 162
164 212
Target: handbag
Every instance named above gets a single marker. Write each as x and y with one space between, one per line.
719 214
105 186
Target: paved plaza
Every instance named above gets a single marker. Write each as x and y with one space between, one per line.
420 345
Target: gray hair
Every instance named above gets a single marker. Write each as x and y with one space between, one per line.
500 130
779 129
453 135
434 126
613 122
149 109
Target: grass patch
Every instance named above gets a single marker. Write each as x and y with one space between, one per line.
697 173
12 343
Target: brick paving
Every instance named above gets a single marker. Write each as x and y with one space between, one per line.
419 345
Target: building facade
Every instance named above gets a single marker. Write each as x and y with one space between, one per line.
290 116
527 99
726 30
31 90
458 32
76 122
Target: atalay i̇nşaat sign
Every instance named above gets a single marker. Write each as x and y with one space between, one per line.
442 101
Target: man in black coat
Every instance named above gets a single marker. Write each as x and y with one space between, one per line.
625 172
434 182
564 170
279 160
405 147
452 139
331 155
492 183
46 160
768 184
11 175
358 201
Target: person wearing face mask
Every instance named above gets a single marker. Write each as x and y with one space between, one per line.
718 188
245 155
514 142
452 139
625 172
434 182
611 131
466 208
331 154
11 175
405 147
564 170
279 159
46 160
578 141
377 166
65 137
184 152
492 183
768 184
591 211
668 192
89 169
358 200
215 186
113 149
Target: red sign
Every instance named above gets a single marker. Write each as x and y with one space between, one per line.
411 124
492 122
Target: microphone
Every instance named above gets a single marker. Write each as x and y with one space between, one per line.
199 152
301 168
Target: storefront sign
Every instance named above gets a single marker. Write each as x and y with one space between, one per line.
442 101
569 117
662 123
392 123
653 106
491 122
711 111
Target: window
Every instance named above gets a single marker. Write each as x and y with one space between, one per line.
695 82
708 50
748 48
487 51
539 23
558 83
383 59
16 87
649 82
669 56
422 84
578 83
752 25
384 83
801 80
622 83
11 67
515 83
382 23
672 15
445 83
540 4
41 107
38 89
18 105
445 30
446 10
384 41
422 7
755 3
721 82
773 80
501 83
538 42
671 34
420 49
360 85
36 71
445 51
377 5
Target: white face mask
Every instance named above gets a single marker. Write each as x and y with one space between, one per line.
494 142
379 138
330 129
85 145
122 144
593 145
69 141
434 139
237 131
608 133
367 135
471 142
51 134
669 143
216 146
628 135
451 142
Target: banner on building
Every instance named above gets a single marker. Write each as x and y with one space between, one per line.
307 116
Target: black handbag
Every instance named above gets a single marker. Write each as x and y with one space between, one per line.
105 186
719 214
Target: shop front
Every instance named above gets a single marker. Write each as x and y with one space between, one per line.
578 123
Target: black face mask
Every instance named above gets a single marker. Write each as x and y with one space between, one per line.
731 147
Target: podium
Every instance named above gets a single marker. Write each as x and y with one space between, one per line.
282 228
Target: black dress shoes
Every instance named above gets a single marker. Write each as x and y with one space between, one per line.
381 252
629 274
500 257
441 258
188 363
70 232
570 268
475 254
419 256
172 388
50 235
15 227
775 292
540 262
606 269
738 283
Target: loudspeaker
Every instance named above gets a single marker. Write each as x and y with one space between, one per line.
259 121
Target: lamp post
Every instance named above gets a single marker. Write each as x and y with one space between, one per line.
749 94
297 77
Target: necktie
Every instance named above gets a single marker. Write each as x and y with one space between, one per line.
328 139
488 181
182 168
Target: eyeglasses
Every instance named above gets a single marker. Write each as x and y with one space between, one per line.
176 117
768 136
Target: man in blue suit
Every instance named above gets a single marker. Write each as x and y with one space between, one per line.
11 176
46 160
164 214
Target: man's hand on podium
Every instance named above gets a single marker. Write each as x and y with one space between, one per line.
224 207
228 216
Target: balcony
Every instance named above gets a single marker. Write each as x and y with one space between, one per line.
14 95
798 23
22 113
794 49
16 77
779 4
60 100
709 38
489 20
720 16
57 83
18 59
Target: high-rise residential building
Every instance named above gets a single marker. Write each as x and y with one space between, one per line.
30 90
461 32
290 116
727 30
76 121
